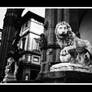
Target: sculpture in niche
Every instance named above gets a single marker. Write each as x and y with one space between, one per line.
73 49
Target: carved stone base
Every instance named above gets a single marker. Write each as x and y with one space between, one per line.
65 77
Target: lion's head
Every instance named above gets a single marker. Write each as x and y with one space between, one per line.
62 30
64 33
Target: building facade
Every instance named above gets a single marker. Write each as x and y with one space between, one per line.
30 32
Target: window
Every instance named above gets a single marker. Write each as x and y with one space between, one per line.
23 41
29 58
36 59
0 35
26 24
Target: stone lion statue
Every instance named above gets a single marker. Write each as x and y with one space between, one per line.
73 49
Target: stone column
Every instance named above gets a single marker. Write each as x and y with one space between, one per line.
60 17
74 20
52 17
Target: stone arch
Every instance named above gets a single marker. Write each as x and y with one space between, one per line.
86 25
82 13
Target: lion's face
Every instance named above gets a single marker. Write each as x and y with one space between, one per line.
65 36
63 30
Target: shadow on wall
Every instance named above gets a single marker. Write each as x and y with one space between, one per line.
86 27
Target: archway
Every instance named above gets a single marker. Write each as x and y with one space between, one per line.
86 26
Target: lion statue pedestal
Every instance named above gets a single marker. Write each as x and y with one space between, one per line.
75 54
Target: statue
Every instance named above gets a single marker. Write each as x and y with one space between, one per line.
73 49
75 54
